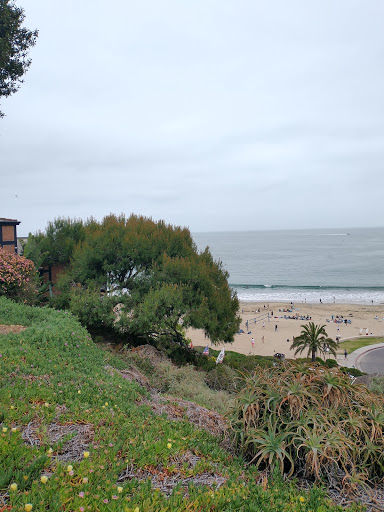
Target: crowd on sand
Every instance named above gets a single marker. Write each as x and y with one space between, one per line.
270 326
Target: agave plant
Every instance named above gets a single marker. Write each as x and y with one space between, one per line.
316 421
335 389
271 447
314 443
375 419
297 395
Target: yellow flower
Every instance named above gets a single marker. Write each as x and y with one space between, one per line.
50 451
69 468
86 455
13 487
106 403
12 406
169 446
85 480
14 429
28 507
136 509
5 429
25 477
44 479
46 404
79 391
301 499
119 489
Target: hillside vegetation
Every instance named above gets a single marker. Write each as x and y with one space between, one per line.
77 434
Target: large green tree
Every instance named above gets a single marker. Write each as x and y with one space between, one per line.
15 42
154 270
313 338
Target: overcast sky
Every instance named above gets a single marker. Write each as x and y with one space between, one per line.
213 114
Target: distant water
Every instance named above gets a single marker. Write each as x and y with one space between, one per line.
341 265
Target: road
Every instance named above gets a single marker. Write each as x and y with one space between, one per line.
372 361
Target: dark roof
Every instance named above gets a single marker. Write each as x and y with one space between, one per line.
13 221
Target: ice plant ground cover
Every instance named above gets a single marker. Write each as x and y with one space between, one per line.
74 437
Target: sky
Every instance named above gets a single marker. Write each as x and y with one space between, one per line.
217 115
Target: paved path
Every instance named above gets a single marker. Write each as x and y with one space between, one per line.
369 359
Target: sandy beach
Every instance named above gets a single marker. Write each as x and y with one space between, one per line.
271 327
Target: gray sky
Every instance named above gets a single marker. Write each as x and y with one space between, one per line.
216 115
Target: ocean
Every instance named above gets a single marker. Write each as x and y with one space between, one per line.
331 265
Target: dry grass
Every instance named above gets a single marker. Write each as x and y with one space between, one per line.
14 329
184 382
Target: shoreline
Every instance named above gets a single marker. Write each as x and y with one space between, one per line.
312 298
310 303
304 294
277 333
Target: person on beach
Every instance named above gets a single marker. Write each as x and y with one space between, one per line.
263 325
275 327
253 342
345 354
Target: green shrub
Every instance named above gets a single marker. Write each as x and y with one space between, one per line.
235 360
18 278
141 363
377 385
91 308
331 363
223 378
351 371
179 353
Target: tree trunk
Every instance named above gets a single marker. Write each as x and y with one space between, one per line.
313 356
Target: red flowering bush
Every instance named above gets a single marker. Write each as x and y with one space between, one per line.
18 279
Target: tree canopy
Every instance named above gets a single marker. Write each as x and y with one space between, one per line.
152 269
314 339
15 42
56 244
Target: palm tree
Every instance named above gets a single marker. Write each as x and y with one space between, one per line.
315 339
